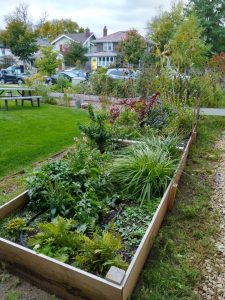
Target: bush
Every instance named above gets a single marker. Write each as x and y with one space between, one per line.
62 83
208 90
143 172
97 131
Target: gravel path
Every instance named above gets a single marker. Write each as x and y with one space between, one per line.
213 270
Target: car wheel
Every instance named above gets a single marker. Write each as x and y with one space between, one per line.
2 81
20 81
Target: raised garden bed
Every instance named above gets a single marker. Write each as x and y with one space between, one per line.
67 281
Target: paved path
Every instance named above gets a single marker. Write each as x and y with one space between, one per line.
212 111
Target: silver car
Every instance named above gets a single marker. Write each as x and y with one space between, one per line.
121 73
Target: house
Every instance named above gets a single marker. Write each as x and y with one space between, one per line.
6 56
86 38
105 52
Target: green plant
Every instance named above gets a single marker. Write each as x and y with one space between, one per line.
167 144
182 122
208 90
100 253
62 83
132 223
62 240
142 172
97 131
57 239
13 295
14 226
73 187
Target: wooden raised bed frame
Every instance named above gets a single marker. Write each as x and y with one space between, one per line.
68 282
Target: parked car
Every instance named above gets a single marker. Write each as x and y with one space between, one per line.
71 76
121 73
77 72
8 77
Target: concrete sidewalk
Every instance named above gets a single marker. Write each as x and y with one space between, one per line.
212 112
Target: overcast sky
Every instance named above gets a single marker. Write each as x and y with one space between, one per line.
115 14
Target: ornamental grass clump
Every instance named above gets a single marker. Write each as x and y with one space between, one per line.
143 172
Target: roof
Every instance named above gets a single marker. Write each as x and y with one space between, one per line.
114 37
42 42
76 37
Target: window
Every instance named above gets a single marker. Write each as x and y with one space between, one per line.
108 46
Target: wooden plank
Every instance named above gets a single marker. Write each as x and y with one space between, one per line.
15 89
172 196
11 206
183 159
142 252
61 279
20 97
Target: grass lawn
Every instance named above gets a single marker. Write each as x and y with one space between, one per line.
32 134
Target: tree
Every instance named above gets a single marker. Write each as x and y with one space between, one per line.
212 17
75 54
20 40
51 29
187 46
132 49
20 14
162 27
48 62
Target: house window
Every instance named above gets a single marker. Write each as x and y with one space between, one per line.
61 47
3 51
107 46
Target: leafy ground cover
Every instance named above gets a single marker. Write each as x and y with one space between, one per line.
32 134
172 269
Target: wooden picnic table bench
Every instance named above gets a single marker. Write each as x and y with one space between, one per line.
22 93
16 98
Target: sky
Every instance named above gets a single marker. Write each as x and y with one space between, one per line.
115 14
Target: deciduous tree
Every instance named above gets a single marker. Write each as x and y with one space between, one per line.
48 62
132 49
163 26
187 46
51 29
20 39
75 54
211 14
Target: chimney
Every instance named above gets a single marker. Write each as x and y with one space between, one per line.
87 32
104 31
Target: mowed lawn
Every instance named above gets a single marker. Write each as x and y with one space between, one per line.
31 134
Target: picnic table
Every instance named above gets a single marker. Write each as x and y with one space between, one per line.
18 93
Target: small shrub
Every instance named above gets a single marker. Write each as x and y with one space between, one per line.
14 226
97 131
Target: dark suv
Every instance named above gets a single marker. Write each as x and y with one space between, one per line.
8 77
